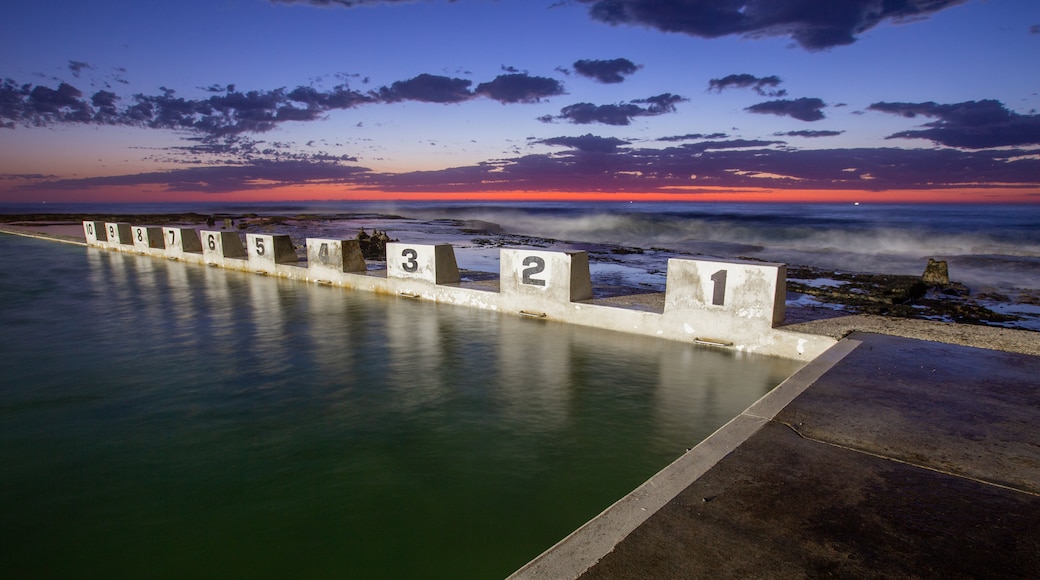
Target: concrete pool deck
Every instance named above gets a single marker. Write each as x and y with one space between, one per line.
885 457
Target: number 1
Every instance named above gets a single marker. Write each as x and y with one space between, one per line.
718 296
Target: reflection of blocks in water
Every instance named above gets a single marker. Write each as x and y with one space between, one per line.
422 262
217 245
148 237
556 276
326 257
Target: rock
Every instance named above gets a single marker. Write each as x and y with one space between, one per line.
373 247
936 273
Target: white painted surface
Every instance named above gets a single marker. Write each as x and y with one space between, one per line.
431 263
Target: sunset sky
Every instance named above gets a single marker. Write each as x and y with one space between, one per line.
765 100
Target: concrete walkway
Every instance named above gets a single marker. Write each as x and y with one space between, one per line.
888 457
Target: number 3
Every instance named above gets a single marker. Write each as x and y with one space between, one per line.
410 265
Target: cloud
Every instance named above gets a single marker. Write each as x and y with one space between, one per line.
969 125
221 179
803 109
744 81
520 88
342 3
428 88
726 164
693 137
606 71
76 66
587 143
809 134
813 24
619 114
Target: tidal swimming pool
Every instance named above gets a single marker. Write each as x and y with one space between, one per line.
169 420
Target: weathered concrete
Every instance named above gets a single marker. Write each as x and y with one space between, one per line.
896 458
739 312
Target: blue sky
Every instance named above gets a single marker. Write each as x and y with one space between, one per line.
768 99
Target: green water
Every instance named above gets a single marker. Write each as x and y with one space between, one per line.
165 420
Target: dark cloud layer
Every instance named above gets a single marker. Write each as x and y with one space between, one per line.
726 164
606 71
228 112
970 125
618 114
519 88
803 109
588 143
813 24
809 134
765 86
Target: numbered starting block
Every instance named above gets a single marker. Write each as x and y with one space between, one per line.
147 238
267 251
219 245
180 241
422 262
327 259
95 233
555 276
119 234
753 292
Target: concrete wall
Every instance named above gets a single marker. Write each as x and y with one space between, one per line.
717 303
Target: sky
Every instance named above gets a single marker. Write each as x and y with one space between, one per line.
714 100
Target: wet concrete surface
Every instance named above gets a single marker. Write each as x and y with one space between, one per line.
907 459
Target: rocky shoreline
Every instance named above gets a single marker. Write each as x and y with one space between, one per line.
820 301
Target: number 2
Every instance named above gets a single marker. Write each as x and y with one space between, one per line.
535 265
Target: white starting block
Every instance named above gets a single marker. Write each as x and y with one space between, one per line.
267 251
180 241
743 291
147 237
556 276
219 245
327 259
431 263
95 233
119 234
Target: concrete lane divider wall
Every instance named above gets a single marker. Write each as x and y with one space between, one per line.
721 303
